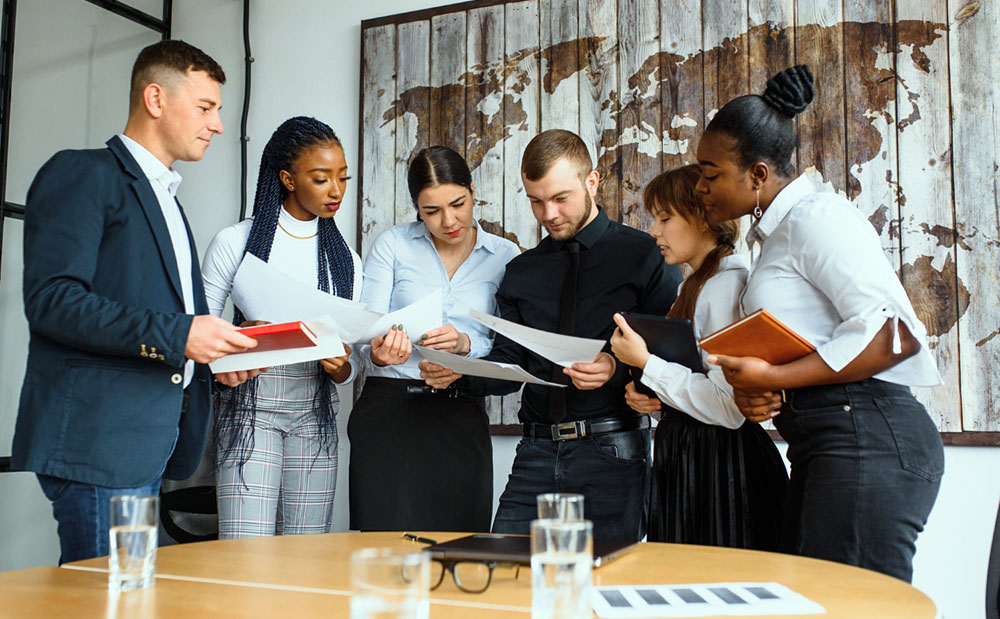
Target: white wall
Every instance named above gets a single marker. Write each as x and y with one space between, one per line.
307 62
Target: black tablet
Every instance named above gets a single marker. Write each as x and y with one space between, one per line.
514 549
670 339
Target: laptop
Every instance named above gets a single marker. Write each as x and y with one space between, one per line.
515 549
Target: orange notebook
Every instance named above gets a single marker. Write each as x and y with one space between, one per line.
758 335
280 336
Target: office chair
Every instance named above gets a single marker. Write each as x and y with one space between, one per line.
993 575
186 514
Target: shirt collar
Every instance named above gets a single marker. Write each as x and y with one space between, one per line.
593 231
152 167
420 230
788 197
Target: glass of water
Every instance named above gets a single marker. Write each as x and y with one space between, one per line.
390 583
133 536
562 559
560 505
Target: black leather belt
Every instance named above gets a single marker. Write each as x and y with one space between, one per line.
428 390
404 388
572 430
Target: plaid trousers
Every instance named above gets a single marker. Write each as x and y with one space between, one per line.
288 483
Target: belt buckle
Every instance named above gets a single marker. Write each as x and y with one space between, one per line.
569 430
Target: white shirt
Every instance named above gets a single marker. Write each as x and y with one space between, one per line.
821 271
296 258
165 182
706 397
403 266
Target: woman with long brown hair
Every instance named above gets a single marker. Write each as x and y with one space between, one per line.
716 480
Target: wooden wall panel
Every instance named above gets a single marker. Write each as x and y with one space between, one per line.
927 215
904 124
484 130
378 164
598 95
974 38
413 72
682 83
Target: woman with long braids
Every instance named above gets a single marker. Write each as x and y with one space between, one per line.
866 458
421 458
277 433
717 481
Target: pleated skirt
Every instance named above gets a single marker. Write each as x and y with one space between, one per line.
715 486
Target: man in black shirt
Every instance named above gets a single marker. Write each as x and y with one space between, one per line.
583 438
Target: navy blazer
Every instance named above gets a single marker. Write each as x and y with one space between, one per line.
101 399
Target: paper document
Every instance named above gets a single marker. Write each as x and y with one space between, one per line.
735 599
265 293
328 344
480 367
564 350
417 318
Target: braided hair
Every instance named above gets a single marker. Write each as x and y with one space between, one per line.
334 274
761 125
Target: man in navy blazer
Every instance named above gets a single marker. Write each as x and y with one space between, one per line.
116 394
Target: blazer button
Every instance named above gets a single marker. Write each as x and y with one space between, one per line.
176 378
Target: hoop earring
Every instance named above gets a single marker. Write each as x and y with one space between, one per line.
757 213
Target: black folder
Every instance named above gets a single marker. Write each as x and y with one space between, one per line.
514 549
670 339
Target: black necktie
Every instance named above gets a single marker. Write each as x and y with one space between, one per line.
567 313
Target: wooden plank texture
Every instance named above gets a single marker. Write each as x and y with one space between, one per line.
560 34
598 96
521 117
975 99
447 69
819 43
927 215
870 87
682 82
484 129
378 87
640 142
413 106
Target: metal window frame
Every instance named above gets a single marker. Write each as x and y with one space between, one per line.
7 23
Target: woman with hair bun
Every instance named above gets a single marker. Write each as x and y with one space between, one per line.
421 458
866 458
277 433
717 481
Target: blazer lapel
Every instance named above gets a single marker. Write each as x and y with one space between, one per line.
198 287
151 209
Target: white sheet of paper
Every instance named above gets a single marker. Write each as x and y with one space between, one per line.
480 367
738 599
328 344
564 350
264 293
417 318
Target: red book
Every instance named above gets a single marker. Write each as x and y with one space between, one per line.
758 335
281 336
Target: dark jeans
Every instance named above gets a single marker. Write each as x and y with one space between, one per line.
83 514
866 466
610 470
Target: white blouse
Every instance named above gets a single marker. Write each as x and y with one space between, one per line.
294 257
705 397
821 271
403 266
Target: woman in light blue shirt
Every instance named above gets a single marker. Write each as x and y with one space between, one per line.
421 458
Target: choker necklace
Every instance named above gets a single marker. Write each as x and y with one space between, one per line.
296 236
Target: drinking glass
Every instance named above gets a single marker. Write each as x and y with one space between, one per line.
562 559
560 505
390 583
133 537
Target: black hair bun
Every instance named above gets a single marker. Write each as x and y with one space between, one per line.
790 91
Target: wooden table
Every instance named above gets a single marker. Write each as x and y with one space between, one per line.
307 576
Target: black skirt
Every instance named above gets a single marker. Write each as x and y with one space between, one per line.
715 486
420 462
